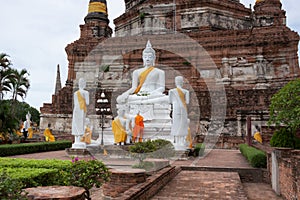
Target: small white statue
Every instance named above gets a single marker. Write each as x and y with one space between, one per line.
179 98
81 100
27 123
148 83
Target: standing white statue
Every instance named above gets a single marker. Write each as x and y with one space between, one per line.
148 83
81 100
27 123
179 98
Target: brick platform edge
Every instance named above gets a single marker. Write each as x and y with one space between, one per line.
150 187
247 175
288 164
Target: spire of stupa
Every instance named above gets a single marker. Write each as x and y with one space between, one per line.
58 81
97 11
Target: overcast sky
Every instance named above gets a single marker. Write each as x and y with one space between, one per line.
34 33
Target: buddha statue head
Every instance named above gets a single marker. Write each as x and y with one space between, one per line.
179 81
149 55
81 83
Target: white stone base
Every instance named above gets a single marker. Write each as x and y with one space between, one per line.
79 145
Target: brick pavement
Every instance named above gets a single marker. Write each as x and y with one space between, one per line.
203 185
217 158
221 185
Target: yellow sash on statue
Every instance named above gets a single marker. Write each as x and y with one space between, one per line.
189 138
181 95
142 79
120 134
81 101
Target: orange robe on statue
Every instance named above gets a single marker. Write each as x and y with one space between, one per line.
138 129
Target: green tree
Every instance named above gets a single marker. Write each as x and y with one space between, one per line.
22 108
4 61
5 72
5 82
285 106
8 122
20 83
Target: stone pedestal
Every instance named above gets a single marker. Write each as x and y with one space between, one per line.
157 120
55 193
121 180
78 152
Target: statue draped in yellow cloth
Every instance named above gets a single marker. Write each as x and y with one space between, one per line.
179 98
21 127
30 132
81 100
257 136
48 134
87 137
120 127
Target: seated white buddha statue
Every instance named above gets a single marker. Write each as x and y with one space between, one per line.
148 83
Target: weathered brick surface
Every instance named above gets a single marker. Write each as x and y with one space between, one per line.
55 193
240 37
203 185
122 180
138 190
289 173
289 170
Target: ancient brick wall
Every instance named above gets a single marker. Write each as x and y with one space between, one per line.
288 161
264 36
141 190
289 174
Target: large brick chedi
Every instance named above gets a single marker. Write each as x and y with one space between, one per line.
93 32
249 52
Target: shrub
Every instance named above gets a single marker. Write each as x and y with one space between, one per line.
33 177
164 149
32 173
10 188
37 172
155 149
199 149
88 174
284 138
31 163
152 149
17 149
297 143
143 147
257 158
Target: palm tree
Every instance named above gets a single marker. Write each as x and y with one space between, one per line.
5 74
4 62
20 83
5 81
